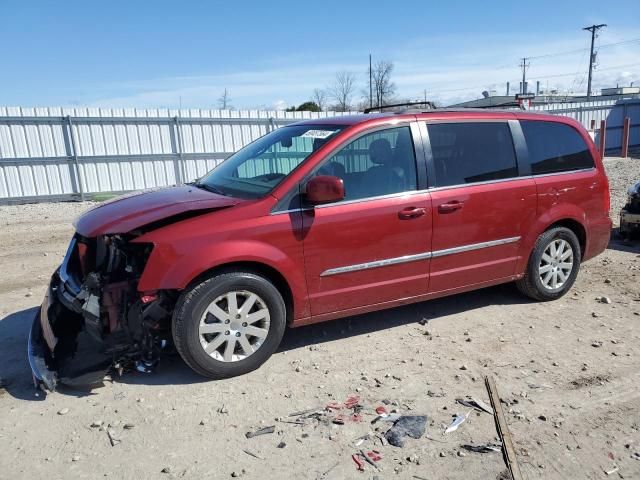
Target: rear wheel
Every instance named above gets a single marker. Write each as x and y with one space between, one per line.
229 324
553 265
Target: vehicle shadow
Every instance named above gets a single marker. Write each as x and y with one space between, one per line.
505 294
14 332
623 245
14 365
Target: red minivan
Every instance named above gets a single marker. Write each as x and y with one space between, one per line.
319 220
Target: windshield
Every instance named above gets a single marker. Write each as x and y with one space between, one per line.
255 170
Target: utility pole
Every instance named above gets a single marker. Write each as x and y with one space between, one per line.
524 65
370 84
593 29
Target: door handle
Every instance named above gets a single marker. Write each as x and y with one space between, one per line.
450 206
411 212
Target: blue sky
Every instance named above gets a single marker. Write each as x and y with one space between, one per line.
274 53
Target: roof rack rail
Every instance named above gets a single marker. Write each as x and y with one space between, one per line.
430 105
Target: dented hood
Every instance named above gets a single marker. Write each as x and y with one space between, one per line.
129 212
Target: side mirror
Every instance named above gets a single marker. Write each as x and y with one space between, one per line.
324 189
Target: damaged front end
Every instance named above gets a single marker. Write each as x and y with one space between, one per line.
94 319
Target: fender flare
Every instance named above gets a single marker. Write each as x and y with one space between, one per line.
556 214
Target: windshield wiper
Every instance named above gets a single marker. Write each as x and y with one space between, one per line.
210 188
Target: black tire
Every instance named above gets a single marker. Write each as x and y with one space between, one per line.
531 284
191 306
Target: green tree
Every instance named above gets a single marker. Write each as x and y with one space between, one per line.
308 107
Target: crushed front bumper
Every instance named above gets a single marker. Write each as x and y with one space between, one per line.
59 354
37 351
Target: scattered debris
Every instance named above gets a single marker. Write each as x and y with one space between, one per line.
282 445
305 412
457 421
391 417
603 299
375 455
612 471
63 411
113 437
359 463
369 459
483 448
472 402
261 431
381 411
412 426
251 454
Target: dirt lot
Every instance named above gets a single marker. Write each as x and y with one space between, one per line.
567 372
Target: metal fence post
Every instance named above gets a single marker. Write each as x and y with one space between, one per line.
72 154
625 137
176 148
603 136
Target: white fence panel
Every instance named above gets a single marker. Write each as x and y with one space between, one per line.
50 153
57 153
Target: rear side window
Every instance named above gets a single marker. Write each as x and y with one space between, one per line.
555 147
472 152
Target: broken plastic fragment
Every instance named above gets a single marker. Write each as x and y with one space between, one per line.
459 420
412 426
359 463
113 438
472 402
261 431
483 448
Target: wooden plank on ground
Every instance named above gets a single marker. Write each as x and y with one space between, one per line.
503 430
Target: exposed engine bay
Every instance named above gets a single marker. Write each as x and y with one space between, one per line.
94 320
630 214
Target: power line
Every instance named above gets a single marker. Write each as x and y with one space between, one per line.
568 74
578 50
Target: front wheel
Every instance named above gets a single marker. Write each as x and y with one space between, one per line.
553 265
229 324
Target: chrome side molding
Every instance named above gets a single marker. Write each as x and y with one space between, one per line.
418 256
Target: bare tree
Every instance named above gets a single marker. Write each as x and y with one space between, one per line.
224 102
383 88
342 90
320 98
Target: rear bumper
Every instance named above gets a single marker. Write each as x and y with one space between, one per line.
598 236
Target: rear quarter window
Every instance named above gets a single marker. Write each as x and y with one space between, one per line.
555 147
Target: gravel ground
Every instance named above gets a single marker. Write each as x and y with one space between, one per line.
567 372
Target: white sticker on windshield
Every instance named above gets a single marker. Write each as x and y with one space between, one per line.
317 133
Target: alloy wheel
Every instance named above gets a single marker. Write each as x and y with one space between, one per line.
556 264
234 326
